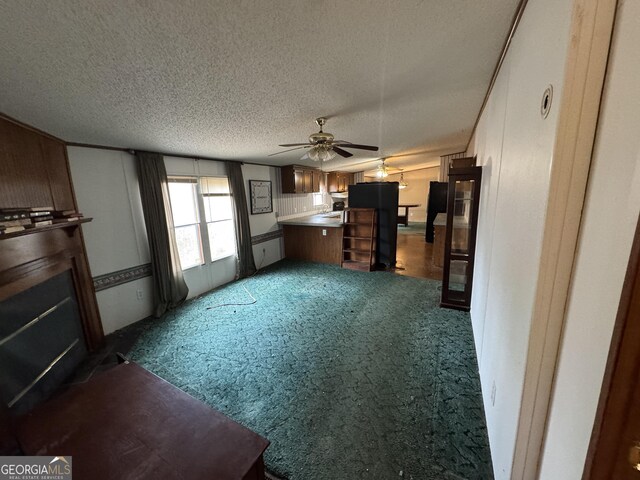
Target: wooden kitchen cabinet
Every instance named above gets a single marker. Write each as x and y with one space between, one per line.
316 181
300 179
313 243
339 181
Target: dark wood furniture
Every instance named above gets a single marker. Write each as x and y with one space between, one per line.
404 219
439 235
614 450
300 179
338 182
462 162
34 172
130 424
463 201
359 239
313 243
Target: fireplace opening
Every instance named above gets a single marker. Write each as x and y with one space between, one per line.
41 342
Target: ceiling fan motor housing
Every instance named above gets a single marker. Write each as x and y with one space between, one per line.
320 137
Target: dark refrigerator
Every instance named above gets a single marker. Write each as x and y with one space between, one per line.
436 203
383 196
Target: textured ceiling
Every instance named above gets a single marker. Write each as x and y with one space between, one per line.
232 79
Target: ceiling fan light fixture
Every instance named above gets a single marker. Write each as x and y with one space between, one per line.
321 153
323 146
402 184
381 171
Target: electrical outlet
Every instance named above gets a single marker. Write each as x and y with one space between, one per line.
295 210
304 209
493 394
139 294
324 232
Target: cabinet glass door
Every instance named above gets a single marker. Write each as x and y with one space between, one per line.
463 197
462 208
462 216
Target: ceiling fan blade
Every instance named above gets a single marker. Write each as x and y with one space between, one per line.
285 151
361 147
341 152
294 144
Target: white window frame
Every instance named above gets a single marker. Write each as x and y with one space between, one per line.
190 179
205 246
204 225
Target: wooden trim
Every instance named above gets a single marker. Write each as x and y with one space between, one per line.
29 127
585 69
100 147
496 71
624 317
44 228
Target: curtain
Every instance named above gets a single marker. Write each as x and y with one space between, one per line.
245 263
170 289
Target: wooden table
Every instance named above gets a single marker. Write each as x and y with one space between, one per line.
404 219
128 423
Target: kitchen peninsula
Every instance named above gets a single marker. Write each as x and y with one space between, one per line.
316 238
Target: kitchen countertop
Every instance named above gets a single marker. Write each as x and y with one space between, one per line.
331 219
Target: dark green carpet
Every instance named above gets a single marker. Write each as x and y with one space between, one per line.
348 374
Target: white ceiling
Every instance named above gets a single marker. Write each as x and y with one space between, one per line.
232 79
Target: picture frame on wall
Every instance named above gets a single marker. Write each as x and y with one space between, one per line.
261 199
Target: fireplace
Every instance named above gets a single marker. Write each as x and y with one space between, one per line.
41 341
49 314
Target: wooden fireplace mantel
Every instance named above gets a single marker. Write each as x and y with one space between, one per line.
44 228
34 171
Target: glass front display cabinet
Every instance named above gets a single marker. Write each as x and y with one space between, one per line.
463 201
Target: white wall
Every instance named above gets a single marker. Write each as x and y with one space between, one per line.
609 220
264 253
106 187
514 145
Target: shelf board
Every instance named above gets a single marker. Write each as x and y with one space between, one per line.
358 238
30 231
355 250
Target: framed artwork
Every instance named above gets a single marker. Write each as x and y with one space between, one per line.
260 196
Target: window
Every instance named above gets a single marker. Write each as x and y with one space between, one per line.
186 222
218 211
197 207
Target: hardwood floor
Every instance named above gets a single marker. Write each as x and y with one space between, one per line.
414 257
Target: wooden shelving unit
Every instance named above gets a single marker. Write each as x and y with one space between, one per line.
359 239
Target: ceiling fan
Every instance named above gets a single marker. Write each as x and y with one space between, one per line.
322 146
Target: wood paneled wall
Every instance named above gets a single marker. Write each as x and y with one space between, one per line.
33 169
34 172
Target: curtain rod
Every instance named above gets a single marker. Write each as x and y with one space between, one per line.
133 151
